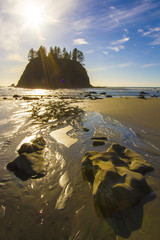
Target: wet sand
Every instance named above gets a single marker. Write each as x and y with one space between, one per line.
139 113
60 205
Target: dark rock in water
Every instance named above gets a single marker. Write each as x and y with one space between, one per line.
103 93
85 129
98 143
16 96
154 96
116 177
30 98
108 96
30 162
93 92
143 93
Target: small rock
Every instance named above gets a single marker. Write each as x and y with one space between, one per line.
108 96
98 143
154 96
143 93
16 96
30 162
85 129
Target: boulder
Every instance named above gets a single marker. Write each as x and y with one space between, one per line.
30 162
116 177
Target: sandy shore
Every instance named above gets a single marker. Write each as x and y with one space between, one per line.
142 116
139 113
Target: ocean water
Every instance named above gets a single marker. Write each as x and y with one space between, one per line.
60 205
80 93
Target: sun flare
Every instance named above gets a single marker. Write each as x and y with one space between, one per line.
33 15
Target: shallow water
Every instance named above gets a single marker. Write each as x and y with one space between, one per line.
60 205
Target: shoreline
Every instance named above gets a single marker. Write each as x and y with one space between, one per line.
141 114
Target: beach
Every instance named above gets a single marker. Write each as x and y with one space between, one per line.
60 204
139 113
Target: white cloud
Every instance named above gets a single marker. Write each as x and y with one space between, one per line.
120 41
140 30
126 30
83 23
150 65
117 17
89 51
105 52
14 57
112 8
79 41
116 48
17 69
153 33
122 65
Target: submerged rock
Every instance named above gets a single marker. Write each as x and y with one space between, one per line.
116 177
30 162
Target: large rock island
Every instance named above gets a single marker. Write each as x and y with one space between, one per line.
55 70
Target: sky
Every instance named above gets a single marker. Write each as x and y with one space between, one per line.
120 39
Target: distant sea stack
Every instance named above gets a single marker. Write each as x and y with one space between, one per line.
57 70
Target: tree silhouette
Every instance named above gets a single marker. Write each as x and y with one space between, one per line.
56 53
42 52
80 57
77 55
32 54
74 54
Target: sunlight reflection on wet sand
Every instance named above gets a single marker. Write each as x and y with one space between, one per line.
61 136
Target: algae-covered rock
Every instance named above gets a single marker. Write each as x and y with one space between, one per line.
116 177
30 161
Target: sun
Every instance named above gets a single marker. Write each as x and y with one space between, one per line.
33 15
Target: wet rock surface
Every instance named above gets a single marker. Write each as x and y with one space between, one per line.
30 162
116 177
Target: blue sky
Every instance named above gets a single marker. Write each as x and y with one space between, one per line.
119 38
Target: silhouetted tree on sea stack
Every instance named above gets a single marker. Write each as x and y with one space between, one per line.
57 53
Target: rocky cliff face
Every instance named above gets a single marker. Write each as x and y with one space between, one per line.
50 74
